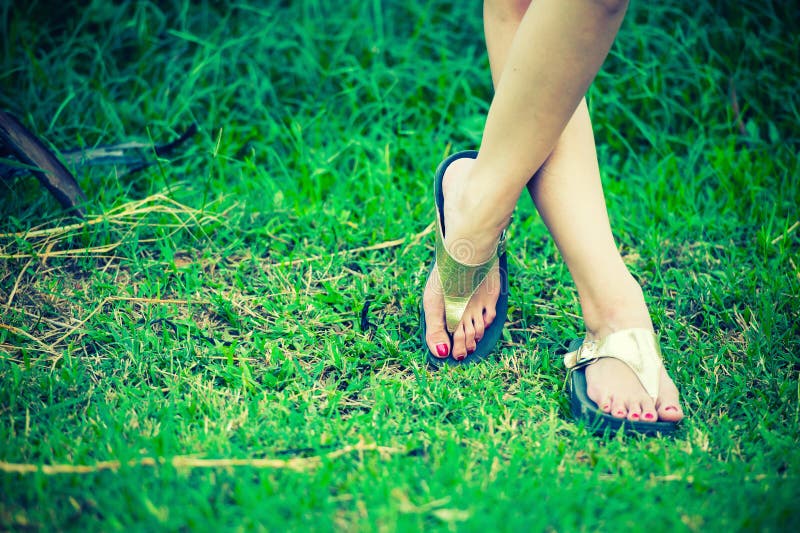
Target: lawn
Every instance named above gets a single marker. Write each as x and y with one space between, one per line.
229 340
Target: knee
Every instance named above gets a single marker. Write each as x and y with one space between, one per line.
612 7
514 8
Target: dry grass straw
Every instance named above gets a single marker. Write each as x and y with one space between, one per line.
130 216
297 464
50 307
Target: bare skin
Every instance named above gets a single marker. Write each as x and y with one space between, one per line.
566 188
480 311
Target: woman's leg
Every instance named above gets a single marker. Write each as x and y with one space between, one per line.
569 196
556 51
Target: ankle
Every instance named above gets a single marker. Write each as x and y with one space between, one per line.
615 306
475 215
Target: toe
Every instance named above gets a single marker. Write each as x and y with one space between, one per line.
670 413
489 316
438 344
649 410
436 336
480 329
605 403
618 408
469 335
599 395
669 407
634 411
459 343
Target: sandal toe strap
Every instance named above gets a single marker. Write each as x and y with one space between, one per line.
460 281
637 348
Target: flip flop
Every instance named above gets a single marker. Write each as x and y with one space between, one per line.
460 281
637 348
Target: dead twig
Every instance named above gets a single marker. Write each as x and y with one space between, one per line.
352 251
16 283
298 464
50 171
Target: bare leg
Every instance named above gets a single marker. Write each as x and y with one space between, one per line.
556 52
569 196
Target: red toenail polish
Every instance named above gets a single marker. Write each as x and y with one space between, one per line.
471 350
671 408
635 415
442 350
648 416
459 357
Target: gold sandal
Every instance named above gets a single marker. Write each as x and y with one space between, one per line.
638 348
460 281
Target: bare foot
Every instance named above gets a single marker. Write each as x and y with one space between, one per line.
617 391
610 383
470 246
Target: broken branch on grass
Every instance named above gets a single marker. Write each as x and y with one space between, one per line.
131 215
298 464
16 283
352 251
121 215
785 233
50 171
23 333
134 154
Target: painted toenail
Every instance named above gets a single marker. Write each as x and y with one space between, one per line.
442 350
459 357
471 350
648 416
635 415
671 408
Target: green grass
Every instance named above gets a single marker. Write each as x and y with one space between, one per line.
216 306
